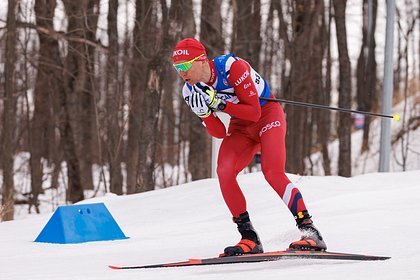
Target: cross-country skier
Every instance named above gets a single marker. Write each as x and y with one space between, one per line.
230 85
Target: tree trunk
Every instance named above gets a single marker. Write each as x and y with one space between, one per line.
367 96
167 139
75 78
113 103
270 48
304 20
152 53
345 122
43 120
87 145
246 35
325 118
9 115
320 93
143 44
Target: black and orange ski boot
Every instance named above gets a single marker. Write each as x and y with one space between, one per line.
311 237
250 242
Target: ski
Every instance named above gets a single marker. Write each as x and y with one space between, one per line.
263 257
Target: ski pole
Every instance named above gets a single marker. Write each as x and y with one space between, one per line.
319 106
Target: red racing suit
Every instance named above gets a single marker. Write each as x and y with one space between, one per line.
255 125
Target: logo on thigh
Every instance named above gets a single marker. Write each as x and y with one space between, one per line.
270 126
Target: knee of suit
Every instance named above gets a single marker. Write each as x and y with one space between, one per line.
272 175
226 171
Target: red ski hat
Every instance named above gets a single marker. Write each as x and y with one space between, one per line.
189 49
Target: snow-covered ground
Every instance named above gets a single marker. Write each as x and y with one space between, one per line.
373 214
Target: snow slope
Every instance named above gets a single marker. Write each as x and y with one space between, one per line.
374 214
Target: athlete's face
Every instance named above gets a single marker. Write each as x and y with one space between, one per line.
194 74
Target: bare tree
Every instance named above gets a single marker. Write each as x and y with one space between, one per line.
367 94
410 119
45 85
9 114
246 35
211 30
320 89
144 47
113 103
324 125
269 46
75 79
345 122
86 137
151 54
298 82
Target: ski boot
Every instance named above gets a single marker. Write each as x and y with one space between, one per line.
311 237
250 242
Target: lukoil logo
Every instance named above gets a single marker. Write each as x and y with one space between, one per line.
242 78
181 52
270 126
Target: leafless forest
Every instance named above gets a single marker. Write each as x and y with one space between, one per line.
90 83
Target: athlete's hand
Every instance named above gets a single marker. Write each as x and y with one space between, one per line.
198 105
209 95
